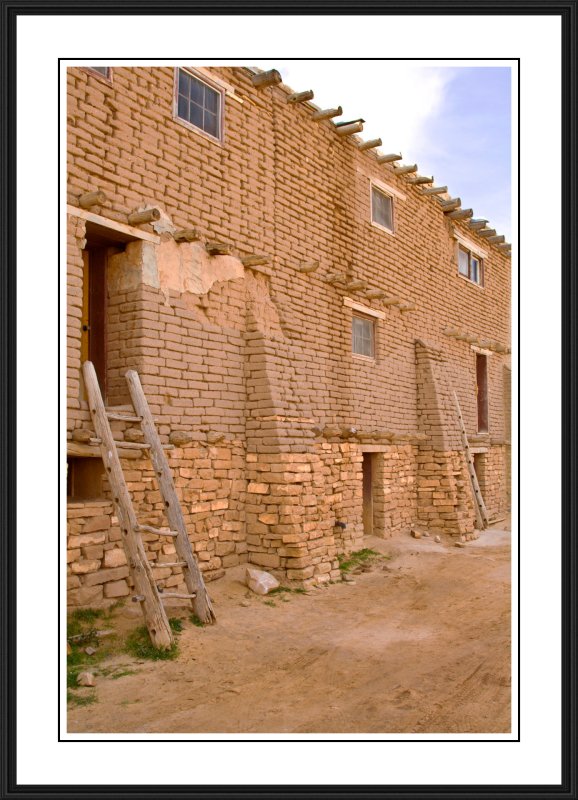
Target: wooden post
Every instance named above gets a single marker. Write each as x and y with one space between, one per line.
90 199
349 129
187 235
389 158
435 190
269 78
141 217
405 170
327 113
301 97
140 569
192 574
370 144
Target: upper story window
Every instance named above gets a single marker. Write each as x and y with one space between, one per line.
363 336
382 209
102 72
470 265
199 104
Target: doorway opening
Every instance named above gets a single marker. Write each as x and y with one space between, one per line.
368 497
94 296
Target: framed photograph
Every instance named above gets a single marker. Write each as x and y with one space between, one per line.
289 379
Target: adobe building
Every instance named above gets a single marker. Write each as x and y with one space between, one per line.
300 308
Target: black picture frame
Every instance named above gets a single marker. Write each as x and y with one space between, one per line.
11 10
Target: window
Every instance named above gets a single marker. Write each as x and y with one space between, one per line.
382 209
363 336
470 265
106 72
84 478
199 104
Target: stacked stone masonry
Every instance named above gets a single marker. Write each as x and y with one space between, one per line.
249 370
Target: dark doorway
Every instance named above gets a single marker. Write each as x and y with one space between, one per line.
368 469
482 392
93 343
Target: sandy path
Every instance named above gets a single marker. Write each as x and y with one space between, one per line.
421 643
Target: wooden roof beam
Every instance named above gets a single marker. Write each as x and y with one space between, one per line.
370 144
389 158
301 97
263 79
327 113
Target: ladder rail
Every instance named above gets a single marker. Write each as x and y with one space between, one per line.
479 505
192 574
141 572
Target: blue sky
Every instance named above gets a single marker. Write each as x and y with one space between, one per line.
453 121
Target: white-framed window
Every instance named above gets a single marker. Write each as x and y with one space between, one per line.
381 209
470 265
199 103
363 336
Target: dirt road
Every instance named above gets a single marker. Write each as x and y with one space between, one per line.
420 643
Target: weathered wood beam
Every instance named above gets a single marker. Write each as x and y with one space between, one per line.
263 79
308 266
301 97
450 205
218 248
405 170
389 158
478 224
487 232
407 307
256 261
90 199
375 294
392 301
370 144
495 239
419 179
355 286
142 217
435 190
336 277
327 113
187 235
349 128
462 213
504 246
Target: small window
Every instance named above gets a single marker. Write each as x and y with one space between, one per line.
84 478
381 209
199 104
470 265
106 72
363 336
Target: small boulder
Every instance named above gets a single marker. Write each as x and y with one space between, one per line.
416 534
259 581
85 679
438 539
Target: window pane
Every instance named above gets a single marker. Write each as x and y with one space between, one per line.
183 107
196 115
463 263
382 209
211 125
184 82
212 100
362 338
197 91
102 70
475 267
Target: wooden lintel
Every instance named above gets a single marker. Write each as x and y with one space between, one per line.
370 144
301 97
263 79
123 231
327 113
409 168
389 158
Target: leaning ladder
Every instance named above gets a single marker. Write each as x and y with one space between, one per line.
482 518
147 592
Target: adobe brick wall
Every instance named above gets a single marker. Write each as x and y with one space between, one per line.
262 357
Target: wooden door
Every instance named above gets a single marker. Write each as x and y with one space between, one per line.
93 337
367 494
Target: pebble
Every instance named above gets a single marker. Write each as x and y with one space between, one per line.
245 603
85 679
438 539
426 535
416 534
90 651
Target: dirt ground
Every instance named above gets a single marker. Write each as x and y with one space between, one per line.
419 643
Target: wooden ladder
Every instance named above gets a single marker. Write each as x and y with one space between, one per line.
482 519
146 590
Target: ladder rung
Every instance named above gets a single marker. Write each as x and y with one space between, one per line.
159 565
157 531
132 445
122 417
164 595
